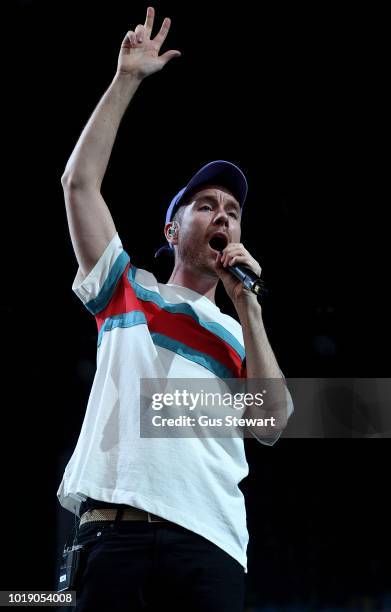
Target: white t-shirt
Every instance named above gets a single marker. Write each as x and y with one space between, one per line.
151 330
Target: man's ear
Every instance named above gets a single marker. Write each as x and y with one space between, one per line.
171 232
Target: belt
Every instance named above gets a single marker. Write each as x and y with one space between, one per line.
129 514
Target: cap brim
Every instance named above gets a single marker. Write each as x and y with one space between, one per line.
164 250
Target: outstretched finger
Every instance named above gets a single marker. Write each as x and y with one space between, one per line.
149 20
169 55
161 36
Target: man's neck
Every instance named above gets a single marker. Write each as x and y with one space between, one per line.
193 279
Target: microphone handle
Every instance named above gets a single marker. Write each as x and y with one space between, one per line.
250 280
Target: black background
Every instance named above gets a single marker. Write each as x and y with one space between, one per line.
295 96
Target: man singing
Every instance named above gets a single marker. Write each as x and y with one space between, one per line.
161 519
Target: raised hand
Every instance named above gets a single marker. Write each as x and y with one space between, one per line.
139 54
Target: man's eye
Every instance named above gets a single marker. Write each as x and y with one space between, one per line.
205 206
233 214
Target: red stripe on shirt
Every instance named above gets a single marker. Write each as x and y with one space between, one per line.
124 300
179 327
183 328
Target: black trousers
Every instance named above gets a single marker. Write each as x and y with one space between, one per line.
129 566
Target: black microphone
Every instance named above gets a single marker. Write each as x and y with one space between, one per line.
250 280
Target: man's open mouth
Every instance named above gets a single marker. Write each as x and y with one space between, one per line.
218 242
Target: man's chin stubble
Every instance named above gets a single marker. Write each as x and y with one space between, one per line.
195 261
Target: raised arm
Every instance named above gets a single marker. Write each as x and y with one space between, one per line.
90 223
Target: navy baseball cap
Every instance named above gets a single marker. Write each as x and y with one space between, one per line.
219 172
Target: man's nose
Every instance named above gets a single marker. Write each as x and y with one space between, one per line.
221 218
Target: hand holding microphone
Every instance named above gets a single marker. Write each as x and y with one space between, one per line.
232 253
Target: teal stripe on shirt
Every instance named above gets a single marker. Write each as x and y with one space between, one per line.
192 355
216 328
137 317
105 294
128 319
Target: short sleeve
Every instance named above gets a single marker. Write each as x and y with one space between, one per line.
270 440
96 289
